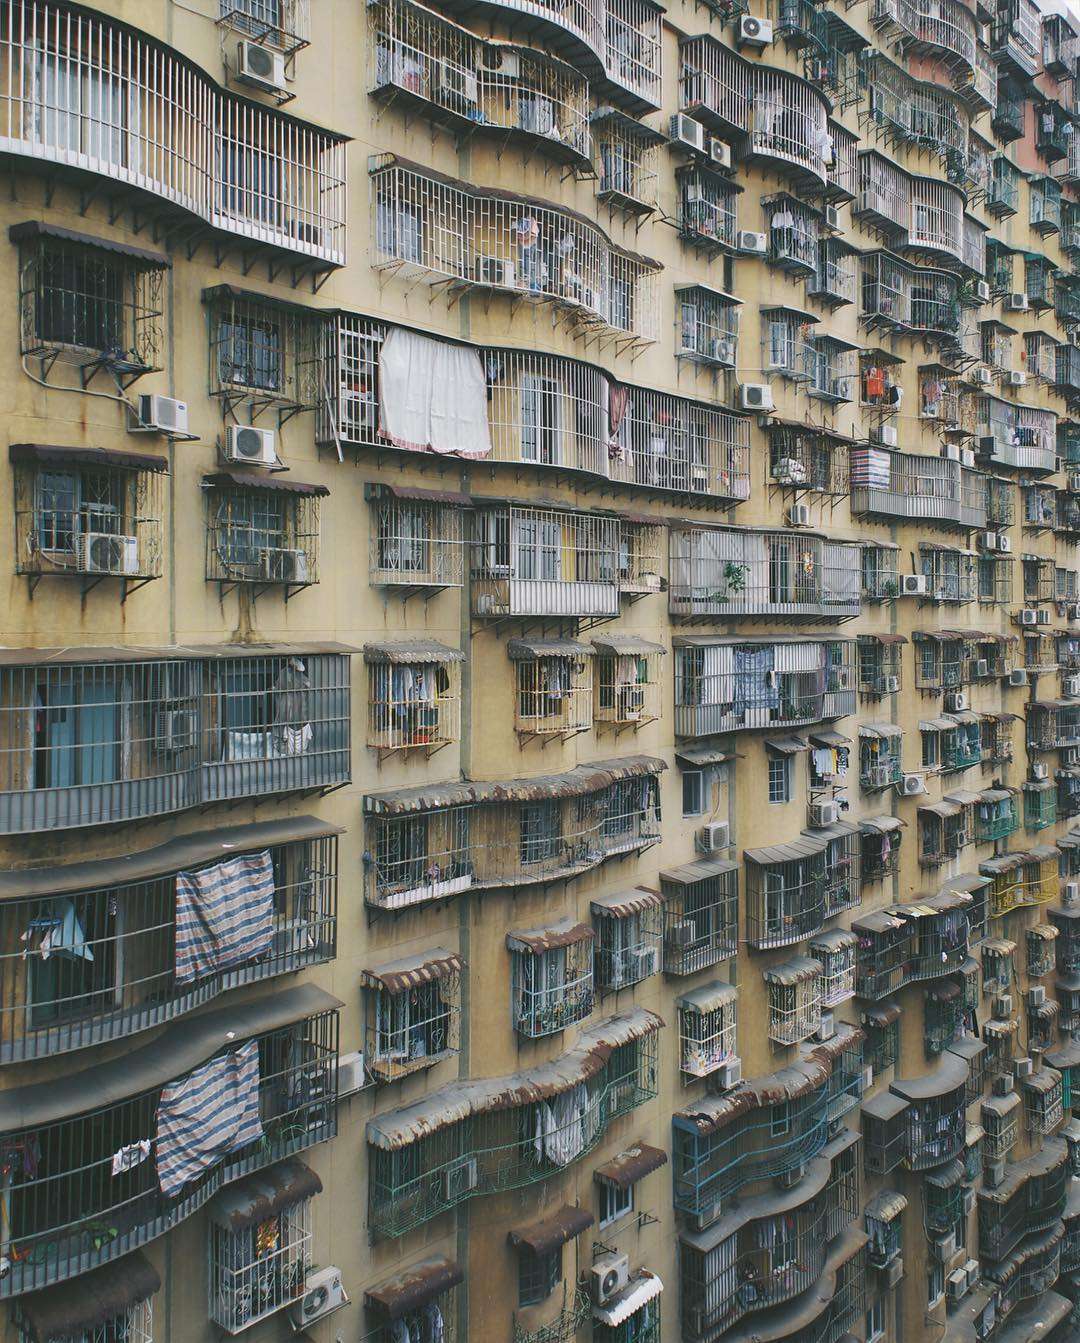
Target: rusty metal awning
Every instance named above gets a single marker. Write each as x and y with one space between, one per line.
877 921
33 229
631 1166
414 1287
689 874
829 737
525 650
50 455
1042 1082
787 745
535 941
86 1303
806 846
886 1206
937 724
412 971
622 904
943 809
882 730
999 946
264 1194
625 645
377 489
833 941
253 480
1045 931
881 825
798 970
707 997
698 756
947 1176
408 651
965 797
1002 862
881 1014
551 1232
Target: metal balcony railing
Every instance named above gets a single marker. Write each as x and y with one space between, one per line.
907 485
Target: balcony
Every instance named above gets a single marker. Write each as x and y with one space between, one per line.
1053 129
121 918
918 1123
118 734
1019 880
1053 725
834 282
1003 193
995 815
706 210
910 944
552 977
262 532
1022 438
472 84
208 158
804 458
903 300
767 574
908 485
708 325
412 1013
911 111
1067 369
458 1143
68 1214
784 119
1029 1274
431 843
945 32
1008 118
464 239
738 684
793 888
723 1143
1016 40
701 915
629 159
708 1029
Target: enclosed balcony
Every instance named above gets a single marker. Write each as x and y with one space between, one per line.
132 115
262 532
882 837
552 982
805 458
947 32
431 843
701 915
735 684
629 158
791 889
769 1126
919 1123
412 1013
909 944
707 210
904 300
1015 436
784 120
103 949
1016 39
68 1211
471 1139
629 934
1053 128
1053 725
1018 880
1067 368
909 485
880 668
462 238
834 281
1028 1274
1043 1095
708 322
708 1029
737 572
906 110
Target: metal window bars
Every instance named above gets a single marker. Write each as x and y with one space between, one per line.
706 209
554 696
880 572
417 545
833 281
996 346
832 369
88 93
1041 354
93 743
627 687
1039 573
413 706
411 1028
627 946
474 83
641 548
805 458
89 521
787 344
943 29
262 537
65 1211
707 1035
458 237
909 485
1042 1096
910 945
949 574
909 300
90 308
125 981
880 764
494 1150
901 109
721 571
785 900
995 580
552 989
835 952
259 1269
135 1324
794 231
446 1304
700 918
794 989
880 670
282 24
708 326
628 155
263 354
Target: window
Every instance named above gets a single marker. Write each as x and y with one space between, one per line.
82 977
693 792
399 232
81 299
76 729
540 831
249 183
249 352
403 540
875 1322
81 109
931 750
779 778
935 1284
68 504
538 1276
412 1025
540 420
615 1202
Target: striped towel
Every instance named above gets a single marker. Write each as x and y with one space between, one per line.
211 1111
224 915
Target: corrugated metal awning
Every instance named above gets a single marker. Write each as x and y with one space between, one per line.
882 1014
50 455
630 1300
551 1232
631 1166
85 1304
943 808
263 1195
886 1206
536 941
414 1287
836 939
621 904
877 921
803 847
625 645
412 651
375 489
524 650
996 794
936 725
1043 932
253 480
796 971
881 825
1042 1082
787 745
689 874
879 730
708 997
829 737
1003 862
950 1074
412 971
32 229
947 1176
698 756
999 946
965 797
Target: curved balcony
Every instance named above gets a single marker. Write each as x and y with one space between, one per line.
475 1138
86 1190
1029 1200
446 233
784 120
125 918
138 117
767 1127
1029 1272
474 84
943 28
616 42
918 1122
909 944
917 112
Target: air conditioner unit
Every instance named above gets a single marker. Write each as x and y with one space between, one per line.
754 244
1039 771
253 447
1004 1084
755 396
455 84
1017 303
967 457
891 684
719 152
728 1075
1042 617
1028 615
324 1293
885 434
981 376
951 452
497 271
988 540
755 32
262 67
982 291
1003 1007
823 813
912 785
895 1273
1070 894
175 731
500 62
955 701
1018 677
608 1277
459 1178
827 1029
956 1286
713 837
944 1249
645 962
351 1076
161 415
982 667
993 1173
1004 543
913 585
1016 378
972 1269
284 566
832 217
103 553
1036 996
799 515
685 130
1023 1068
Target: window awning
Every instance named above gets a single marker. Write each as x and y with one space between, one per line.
411 651
829 737
625 645
968 1049
996 1027
415 1287
996 794
886 1206
936 724
882 638
32 229
951 1073
973 1134
787 745
878 921
1003 862
964 797
999 946
947 1176
698 756
883 1014
263 1195
86 1303
549 1233
525 650
943 809
708 998
796 971
803 847
1043 931
631 1166
691 873
622 904
375 490
252 480
630 1300
536 941
836 939
412 971
879 730
48 455
1042 1082
882 825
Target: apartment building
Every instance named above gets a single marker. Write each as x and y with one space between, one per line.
540 671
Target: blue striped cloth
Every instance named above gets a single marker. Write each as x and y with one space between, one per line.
224 915
211 1111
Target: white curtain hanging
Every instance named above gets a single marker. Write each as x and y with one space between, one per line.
432 396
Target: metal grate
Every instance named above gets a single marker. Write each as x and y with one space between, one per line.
412 1028
413 706
264 353
552 989
260 1269
263 537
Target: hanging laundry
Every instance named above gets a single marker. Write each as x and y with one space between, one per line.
57 933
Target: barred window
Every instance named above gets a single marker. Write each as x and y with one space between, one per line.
538 1276
249 351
